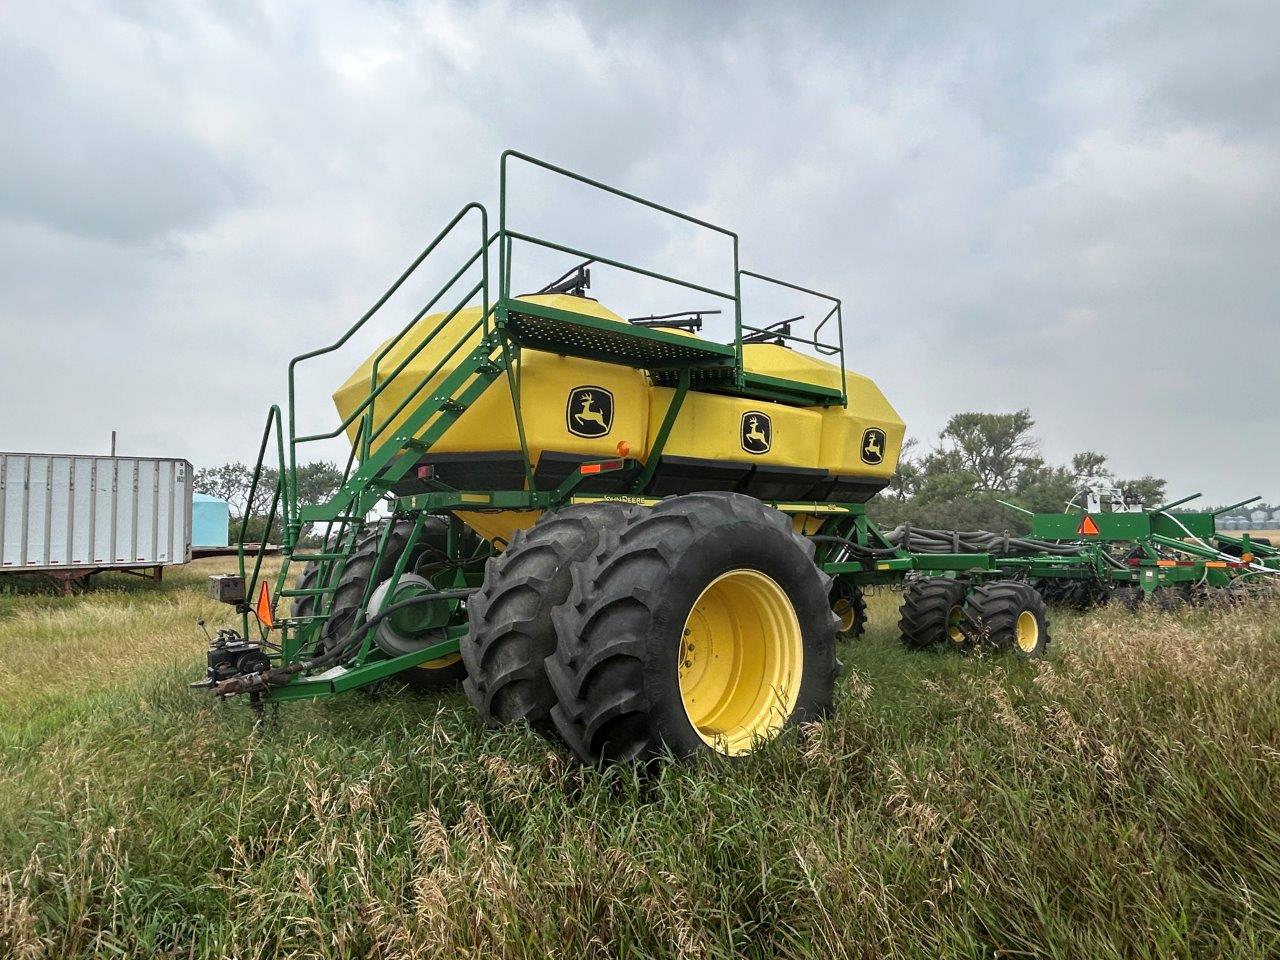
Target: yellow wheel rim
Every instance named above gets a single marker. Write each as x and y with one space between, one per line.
954 616
741 659
1027 632
843 609
441 662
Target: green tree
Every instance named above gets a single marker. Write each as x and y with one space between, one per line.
1149 490
981 459
317 482
1089 464
995 447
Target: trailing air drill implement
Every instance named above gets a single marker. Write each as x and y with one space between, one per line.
631 536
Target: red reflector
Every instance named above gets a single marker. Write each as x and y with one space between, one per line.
425 472
1087 527
602 467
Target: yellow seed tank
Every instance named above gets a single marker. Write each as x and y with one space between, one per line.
576 409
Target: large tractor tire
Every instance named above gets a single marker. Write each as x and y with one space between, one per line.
701 627
509 631
932 613
850 608
1010 616
362 566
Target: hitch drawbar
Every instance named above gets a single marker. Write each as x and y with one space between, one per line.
232 664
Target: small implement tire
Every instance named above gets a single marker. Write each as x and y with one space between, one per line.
362 566
701 627
1010 616
850 608
509 629
932 613
1130 598
1171 599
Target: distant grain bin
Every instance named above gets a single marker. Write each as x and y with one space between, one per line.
210 522
69 517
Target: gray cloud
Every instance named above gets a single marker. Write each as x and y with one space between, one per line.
1075 211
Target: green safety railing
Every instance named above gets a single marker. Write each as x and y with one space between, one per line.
284 501
835 349
508 236
365 410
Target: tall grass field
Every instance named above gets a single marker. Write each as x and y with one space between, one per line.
1119 799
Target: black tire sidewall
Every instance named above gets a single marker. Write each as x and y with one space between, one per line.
719 551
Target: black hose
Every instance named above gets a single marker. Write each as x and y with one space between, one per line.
858 548
280 675
918 540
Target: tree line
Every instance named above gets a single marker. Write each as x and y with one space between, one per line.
980 459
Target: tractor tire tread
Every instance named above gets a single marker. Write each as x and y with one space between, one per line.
510 633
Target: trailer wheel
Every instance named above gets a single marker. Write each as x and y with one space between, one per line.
850 607
932 612
701 627
509 628
1010 616
364 565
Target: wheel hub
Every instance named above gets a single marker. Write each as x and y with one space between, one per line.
1027 631
740 661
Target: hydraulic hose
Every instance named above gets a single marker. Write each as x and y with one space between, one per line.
920 540
279 676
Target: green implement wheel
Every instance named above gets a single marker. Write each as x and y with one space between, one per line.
702 626
364 565
1010 616
850 608
932 612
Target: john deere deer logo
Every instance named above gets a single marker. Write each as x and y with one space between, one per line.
757 432
590 412
873 446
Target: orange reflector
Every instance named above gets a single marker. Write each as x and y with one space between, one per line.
1246 557
1087 527
623 448
1216 564
589 468
1166 563
264 607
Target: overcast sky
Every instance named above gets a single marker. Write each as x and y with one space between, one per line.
1069 209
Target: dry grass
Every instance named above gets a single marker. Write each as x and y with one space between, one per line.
1117 800
1272 535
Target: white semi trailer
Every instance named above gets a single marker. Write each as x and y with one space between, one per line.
68 517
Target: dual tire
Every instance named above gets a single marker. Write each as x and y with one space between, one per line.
698 626
1006 615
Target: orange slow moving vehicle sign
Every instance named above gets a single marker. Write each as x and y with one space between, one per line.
264 607
1087 528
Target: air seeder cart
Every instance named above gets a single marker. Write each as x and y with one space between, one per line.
627 534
